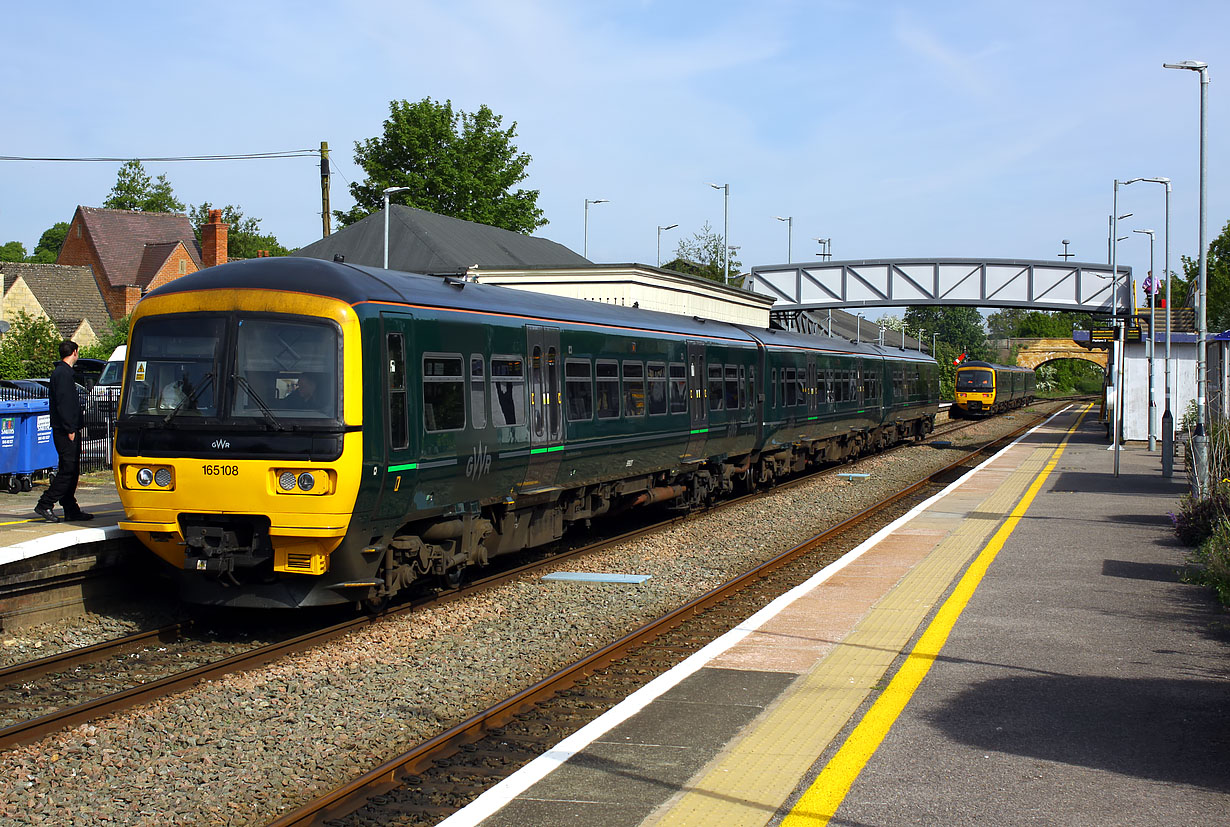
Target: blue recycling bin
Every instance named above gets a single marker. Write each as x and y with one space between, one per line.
26 446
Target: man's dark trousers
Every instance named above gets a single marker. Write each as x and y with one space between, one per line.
63 489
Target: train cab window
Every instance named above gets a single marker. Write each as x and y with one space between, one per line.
508 382
443 393
478 392
678 388
972 379
717 397
399 427
175 366
732 388
607 389
286 369
578 390
657 388
634 388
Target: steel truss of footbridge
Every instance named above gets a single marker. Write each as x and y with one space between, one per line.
989 282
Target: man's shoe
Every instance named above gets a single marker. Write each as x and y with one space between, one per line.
78 517
46 513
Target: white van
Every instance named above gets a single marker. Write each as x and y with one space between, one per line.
105 395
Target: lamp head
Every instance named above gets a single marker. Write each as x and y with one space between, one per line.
669 227
1193 65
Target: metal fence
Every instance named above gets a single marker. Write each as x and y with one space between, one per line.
99 411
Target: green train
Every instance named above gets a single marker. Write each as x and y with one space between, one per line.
295 432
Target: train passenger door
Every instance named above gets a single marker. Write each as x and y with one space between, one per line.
812 395
698 400
398 451
546 405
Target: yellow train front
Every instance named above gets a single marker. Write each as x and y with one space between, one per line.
238 449
983 388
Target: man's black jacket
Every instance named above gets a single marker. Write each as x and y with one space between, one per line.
65 404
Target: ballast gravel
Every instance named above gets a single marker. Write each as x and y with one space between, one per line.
244 749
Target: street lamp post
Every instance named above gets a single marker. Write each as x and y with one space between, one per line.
826 247
585 242
920 339
1121 331
1152 291
660 229
933 336
1167 414
387 192
1200 438
789 236
857 326
725 188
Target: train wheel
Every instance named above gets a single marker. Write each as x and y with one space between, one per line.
374 605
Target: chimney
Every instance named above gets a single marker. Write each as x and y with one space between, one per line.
213 240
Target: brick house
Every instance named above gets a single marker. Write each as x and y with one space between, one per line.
67 295
133 252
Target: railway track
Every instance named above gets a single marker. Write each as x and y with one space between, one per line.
438 777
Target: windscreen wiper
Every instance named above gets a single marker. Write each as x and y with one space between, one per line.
274 422
189 398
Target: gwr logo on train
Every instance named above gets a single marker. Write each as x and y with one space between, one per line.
479 462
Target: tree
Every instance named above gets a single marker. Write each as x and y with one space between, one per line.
29 349
134 190
244 238
958 327
48 248
1019 323
701 255
454 163
13 251
1217 281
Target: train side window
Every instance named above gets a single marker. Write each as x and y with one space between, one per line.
608 389
716 397
801 391
747 387
579 390
478 391
679 388
399 424
443 393
781 395
732 388
634 388
508 381
657 388
773 387
790 392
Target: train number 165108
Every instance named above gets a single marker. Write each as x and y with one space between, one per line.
220 470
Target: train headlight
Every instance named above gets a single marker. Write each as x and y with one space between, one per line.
145 477
307 481
315 482
286 481
162 477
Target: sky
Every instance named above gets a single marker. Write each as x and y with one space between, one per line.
940 129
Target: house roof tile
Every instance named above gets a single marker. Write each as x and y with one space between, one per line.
122 237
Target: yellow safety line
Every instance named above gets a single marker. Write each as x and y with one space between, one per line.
825 795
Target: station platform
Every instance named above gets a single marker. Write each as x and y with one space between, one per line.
1019 649
24 535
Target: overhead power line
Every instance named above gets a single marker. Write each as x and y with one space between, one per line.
289 153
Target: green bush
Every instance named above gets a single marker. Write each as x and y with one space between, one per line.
1211 562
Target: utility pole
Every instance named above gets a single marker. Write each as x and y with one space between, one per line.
324 186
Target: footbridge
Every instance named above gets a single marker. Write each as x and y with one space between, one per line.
901 282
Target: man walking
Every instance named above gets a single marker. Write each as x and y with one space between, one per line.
66 422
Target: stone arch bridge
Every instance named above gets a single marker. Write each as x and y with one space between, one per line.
1035 352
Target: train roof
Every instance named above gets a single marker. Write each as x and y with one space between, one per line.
356 284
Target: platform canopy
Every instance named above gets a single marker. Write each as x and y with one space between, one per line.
990 282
